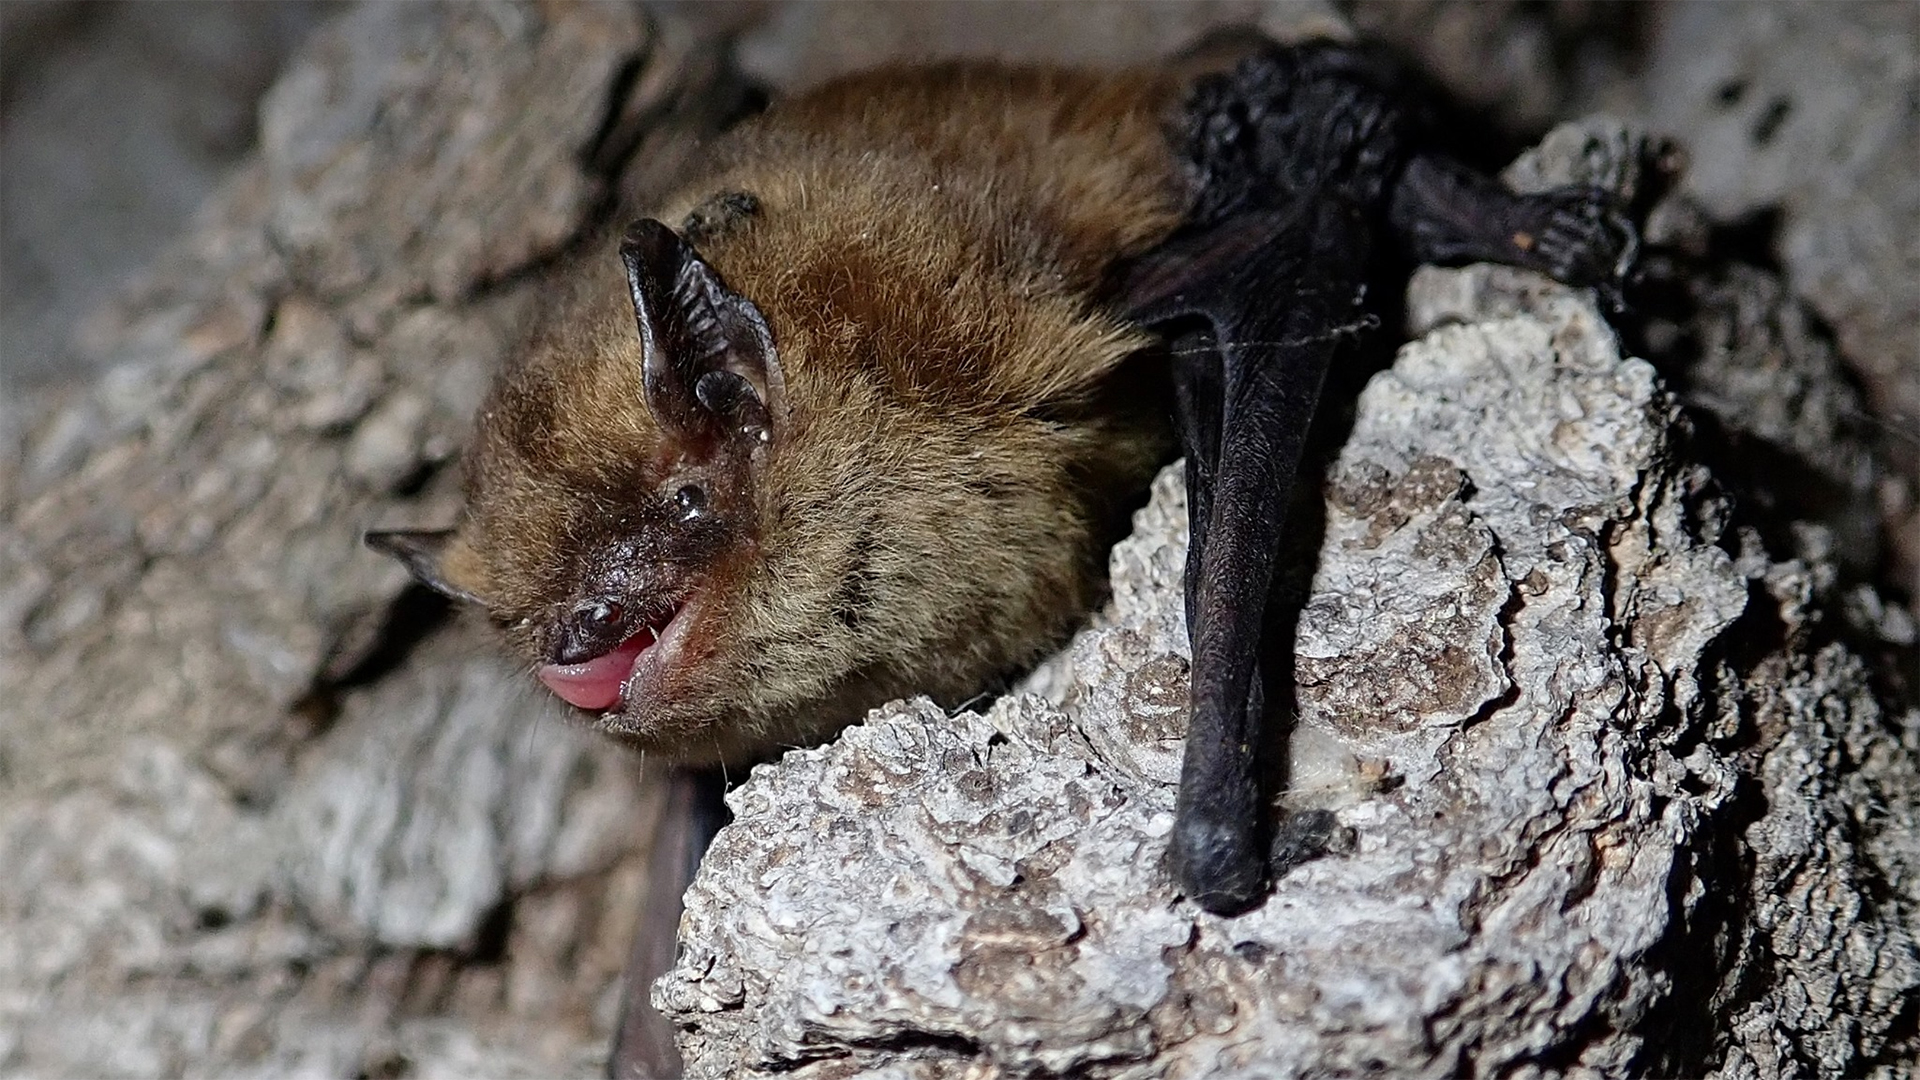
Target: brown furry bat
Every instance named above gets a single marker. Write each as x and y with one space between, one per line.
916 494
884 407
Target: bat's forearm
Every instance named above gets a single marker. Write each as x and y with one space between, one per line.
1303 157
643 1047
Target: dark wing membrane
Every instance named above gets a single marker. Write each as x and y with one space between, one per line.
643 1047
1304 159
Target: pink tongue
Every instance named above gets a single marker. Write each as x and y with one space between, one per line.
595 684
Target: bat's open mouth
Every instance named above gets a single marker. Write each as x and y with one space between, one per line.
600 683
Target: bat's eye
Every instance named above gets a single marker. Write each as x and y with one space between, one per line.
605 614
691 499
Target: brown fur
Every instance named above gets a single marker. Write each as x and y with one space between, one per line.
929 248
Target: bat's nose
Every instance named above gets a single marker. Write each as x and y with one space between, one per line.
592 629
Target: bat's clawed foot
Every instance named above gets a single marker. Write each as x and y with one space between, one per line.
1580 236
1446 213
1304 836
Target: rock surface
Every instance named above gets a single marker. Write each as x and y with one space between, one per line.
116 121
233 845
1801 126
1811 112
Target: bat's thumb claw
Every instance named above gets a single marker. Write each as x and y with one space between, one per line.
1218 866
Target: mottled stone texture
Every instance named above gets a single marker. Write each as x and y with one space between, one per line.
1811 112
1799 125
235 842
116 121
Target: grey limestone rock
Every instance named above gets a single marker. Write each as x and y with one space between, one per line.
1801 124
232 847
1811 110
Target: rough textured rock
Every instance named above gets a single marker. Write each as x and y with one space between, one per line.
1523 65
116 121
1810 111
235 841
1608 785
796 45
1801 125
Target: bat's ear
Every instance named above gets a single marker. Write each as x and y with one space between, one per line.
438 558
711 375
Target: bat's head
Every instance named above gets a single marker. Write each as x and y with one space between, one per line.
752 520
614 502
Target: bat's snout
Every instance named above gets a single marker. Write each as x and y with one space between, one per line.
595 649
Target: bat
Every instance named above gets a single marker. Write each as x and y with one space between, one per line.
864 419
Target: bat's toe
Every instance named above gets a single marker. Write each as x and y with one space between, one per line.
1582 237
1305 836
